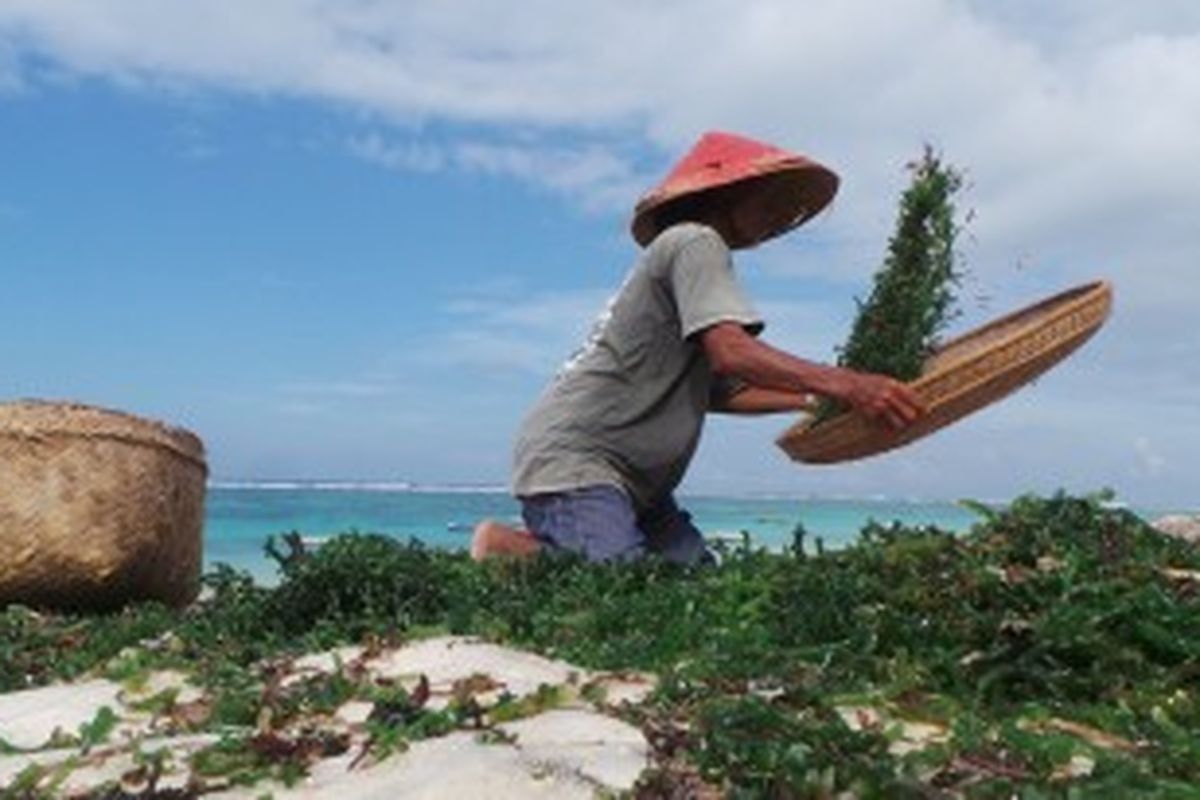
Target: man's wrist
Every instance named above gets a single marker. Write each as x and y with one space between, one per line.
827 381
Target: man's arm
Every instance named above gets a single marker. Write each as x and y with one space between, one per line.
734 353
747 399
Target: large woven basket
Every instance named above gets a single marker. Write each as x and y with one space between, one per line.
97 508
965 374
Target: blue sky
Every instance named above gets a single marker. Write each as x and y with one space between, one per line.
353 240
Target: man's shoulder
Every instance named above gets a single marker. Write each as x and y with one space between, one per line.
683 237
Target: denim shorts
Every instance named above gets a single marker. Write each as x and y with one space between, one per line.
600 523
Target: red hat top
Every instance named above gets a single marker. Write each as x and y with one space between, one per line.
732 169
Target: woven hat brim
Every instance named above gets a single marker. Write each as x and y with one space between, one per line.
798 189
965 375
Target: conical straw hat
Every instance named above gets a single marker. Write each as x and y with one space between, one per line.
734 169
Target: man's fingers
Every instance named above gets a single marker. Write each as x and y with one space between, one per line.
907 397
889 401
896 418
884 412
901 407
908 409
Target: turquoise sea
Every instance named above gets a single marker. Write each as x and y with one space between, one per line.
239 517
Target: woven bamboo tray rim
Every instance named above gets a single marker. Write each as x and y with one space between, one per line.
1024 322
998 333
40 419
952 376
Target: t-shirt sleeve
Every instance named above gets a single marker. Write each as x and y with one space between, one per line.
706 289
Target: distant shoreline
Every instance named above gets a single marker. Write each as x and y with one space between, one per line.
408 487
404 487
353 486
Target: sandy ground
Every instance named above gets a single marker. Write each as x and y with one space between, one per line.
575 749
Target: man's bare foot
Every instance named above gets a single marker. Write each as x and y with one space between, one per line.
493 538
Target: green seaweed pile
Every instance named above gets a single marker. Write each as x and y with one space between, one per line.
912 298
1052 651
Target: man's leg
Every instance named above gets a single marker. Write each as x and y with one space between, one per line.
493 538
597 522
671 534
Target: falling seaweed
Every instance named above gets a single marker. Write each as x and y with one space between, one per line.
913 295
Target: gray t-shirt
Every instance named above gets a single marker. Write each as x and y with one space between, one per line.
627 409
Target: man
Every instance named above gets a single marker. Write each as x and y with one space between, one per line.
597 459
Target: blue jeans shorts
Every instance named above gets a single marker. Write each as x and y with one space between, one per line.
600 523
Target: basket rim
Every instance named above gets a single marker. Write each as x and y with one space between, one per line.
36 417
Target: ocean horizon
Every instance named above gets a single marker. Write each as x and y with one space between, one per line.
240 515
402 486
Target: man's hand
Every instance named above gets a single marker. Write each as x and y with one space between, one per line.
880 398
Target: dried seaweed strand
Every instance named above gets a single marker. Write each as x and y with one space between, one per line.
912 298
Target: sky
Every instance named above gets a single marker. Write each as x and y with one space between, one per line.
354 239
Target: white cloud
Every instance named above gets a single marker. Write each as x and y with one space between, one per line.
1076 25
10 72
489 352
1153 462
594 176
1076 120
1058 131
597 177
403 156
562 313
527 333
809 329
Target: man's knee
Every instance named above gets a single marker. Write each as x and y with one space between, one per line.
597 522
672 535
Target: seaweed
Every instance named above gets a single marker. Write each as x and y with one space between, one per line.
1055 648
912 298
